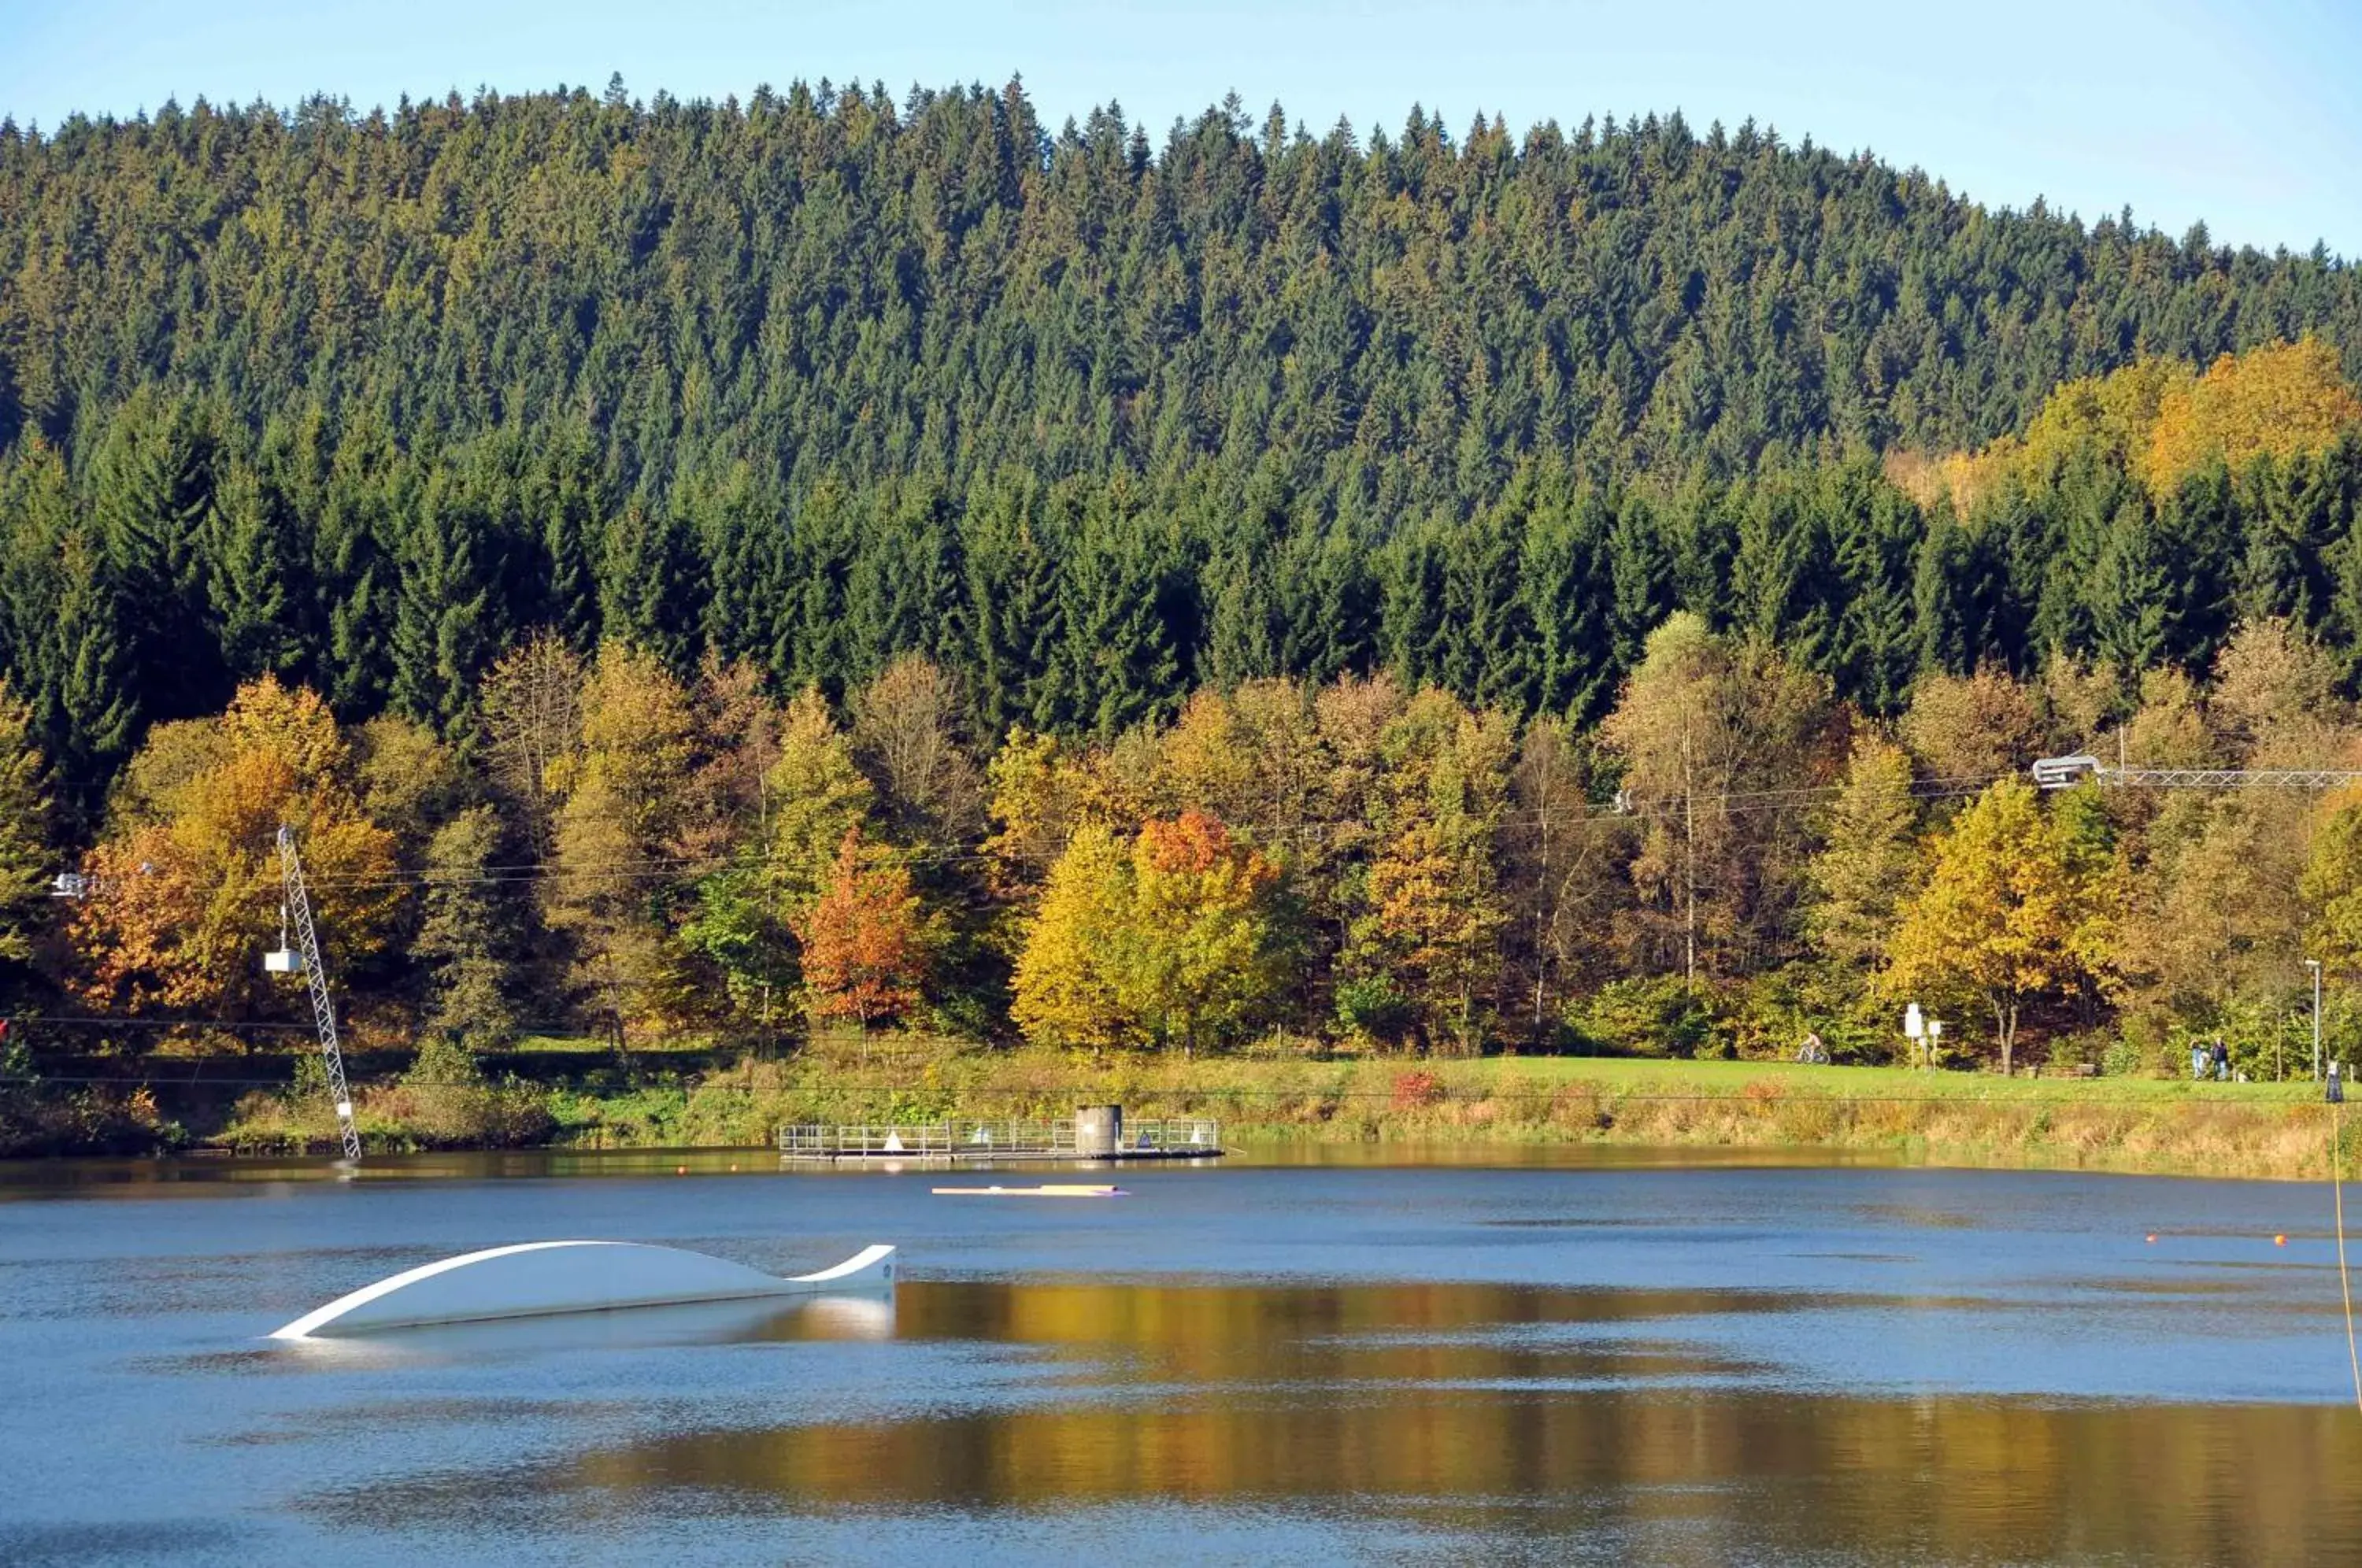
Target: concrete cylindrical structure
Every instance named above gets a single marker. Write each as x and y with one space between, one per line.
1098 1129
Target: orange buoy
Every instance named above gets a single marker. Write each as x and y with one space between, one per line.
2152 1235
2281 1241
680 1170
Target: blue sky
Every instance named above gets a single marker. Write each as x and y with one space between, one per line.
2248 115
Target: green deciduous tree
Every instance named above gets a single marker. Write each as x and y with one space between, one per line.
467 940
1199 957
1710 735
818 795
1868 859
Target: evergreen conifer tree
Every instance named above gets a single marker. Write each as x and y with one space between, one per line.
151 495
25 864
651 585
98 708
445 632
1010 547
255 594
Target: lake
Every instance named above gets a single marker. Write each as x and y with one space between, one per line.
1564 1356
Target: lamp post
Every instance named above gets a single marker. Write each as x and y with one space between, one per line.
2315 965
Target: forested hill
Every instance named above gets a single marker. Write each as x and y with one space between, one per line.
832 282
821 376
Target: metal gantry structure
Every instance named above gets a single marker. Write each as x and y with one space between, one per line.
2066 772
296 915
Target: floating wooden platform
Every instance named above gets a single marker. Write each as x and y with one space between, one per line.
985 1143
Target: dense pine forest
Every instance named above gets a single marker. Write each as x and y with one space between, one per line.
715 568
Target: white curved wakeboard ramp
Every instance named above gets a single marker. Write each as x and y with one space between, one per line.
536 1279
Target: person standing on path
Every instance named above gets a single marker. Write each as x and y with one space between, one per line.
2222 1060
2198 1058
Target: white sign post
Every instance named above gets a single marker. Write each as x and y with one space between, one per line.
1915 1026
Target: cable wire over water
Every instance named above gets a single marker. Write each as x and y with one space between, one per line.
2337 1193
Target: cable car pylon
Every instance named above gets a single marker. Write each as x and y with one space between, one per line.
303 959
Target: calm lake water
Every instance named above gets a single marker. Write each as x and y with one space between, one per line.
1572 1360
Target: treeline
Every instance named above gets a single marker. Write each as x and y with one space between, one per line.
174 568
1733 857
821 379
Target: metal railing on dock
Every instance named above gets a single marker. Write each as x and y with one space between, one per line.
1175 1138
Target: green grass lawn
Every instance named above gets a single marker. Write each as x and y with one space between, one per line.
576 1044
1635 1076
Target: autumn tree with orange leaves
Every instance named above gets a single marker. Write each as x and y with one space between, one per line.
863 946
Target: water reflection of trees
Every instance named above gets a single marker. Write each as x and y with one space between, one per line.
1959 1478
1509 1410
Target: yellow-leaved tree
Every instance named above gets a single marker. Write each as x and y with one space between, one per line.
1035 805
1706 726
2332 890
1435 916
2159 421
621 795
1201 958
185 884
2277 400
1869 857
816 796
1068 987
2019 905
1168 939
2107 418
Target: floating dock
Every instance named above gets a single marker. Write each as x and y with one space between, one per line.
1096 1133
1052 1190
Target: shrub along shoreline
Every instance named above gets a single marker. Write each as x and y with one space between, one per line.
2271 1130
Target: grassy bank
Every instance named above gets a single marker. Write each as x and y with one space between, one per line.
2127 1125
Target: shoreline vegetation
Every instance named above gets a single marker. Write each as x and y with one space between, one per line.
2278 1130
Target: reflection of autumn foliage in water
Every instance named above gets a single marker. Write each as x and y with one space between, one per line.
1527 1410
